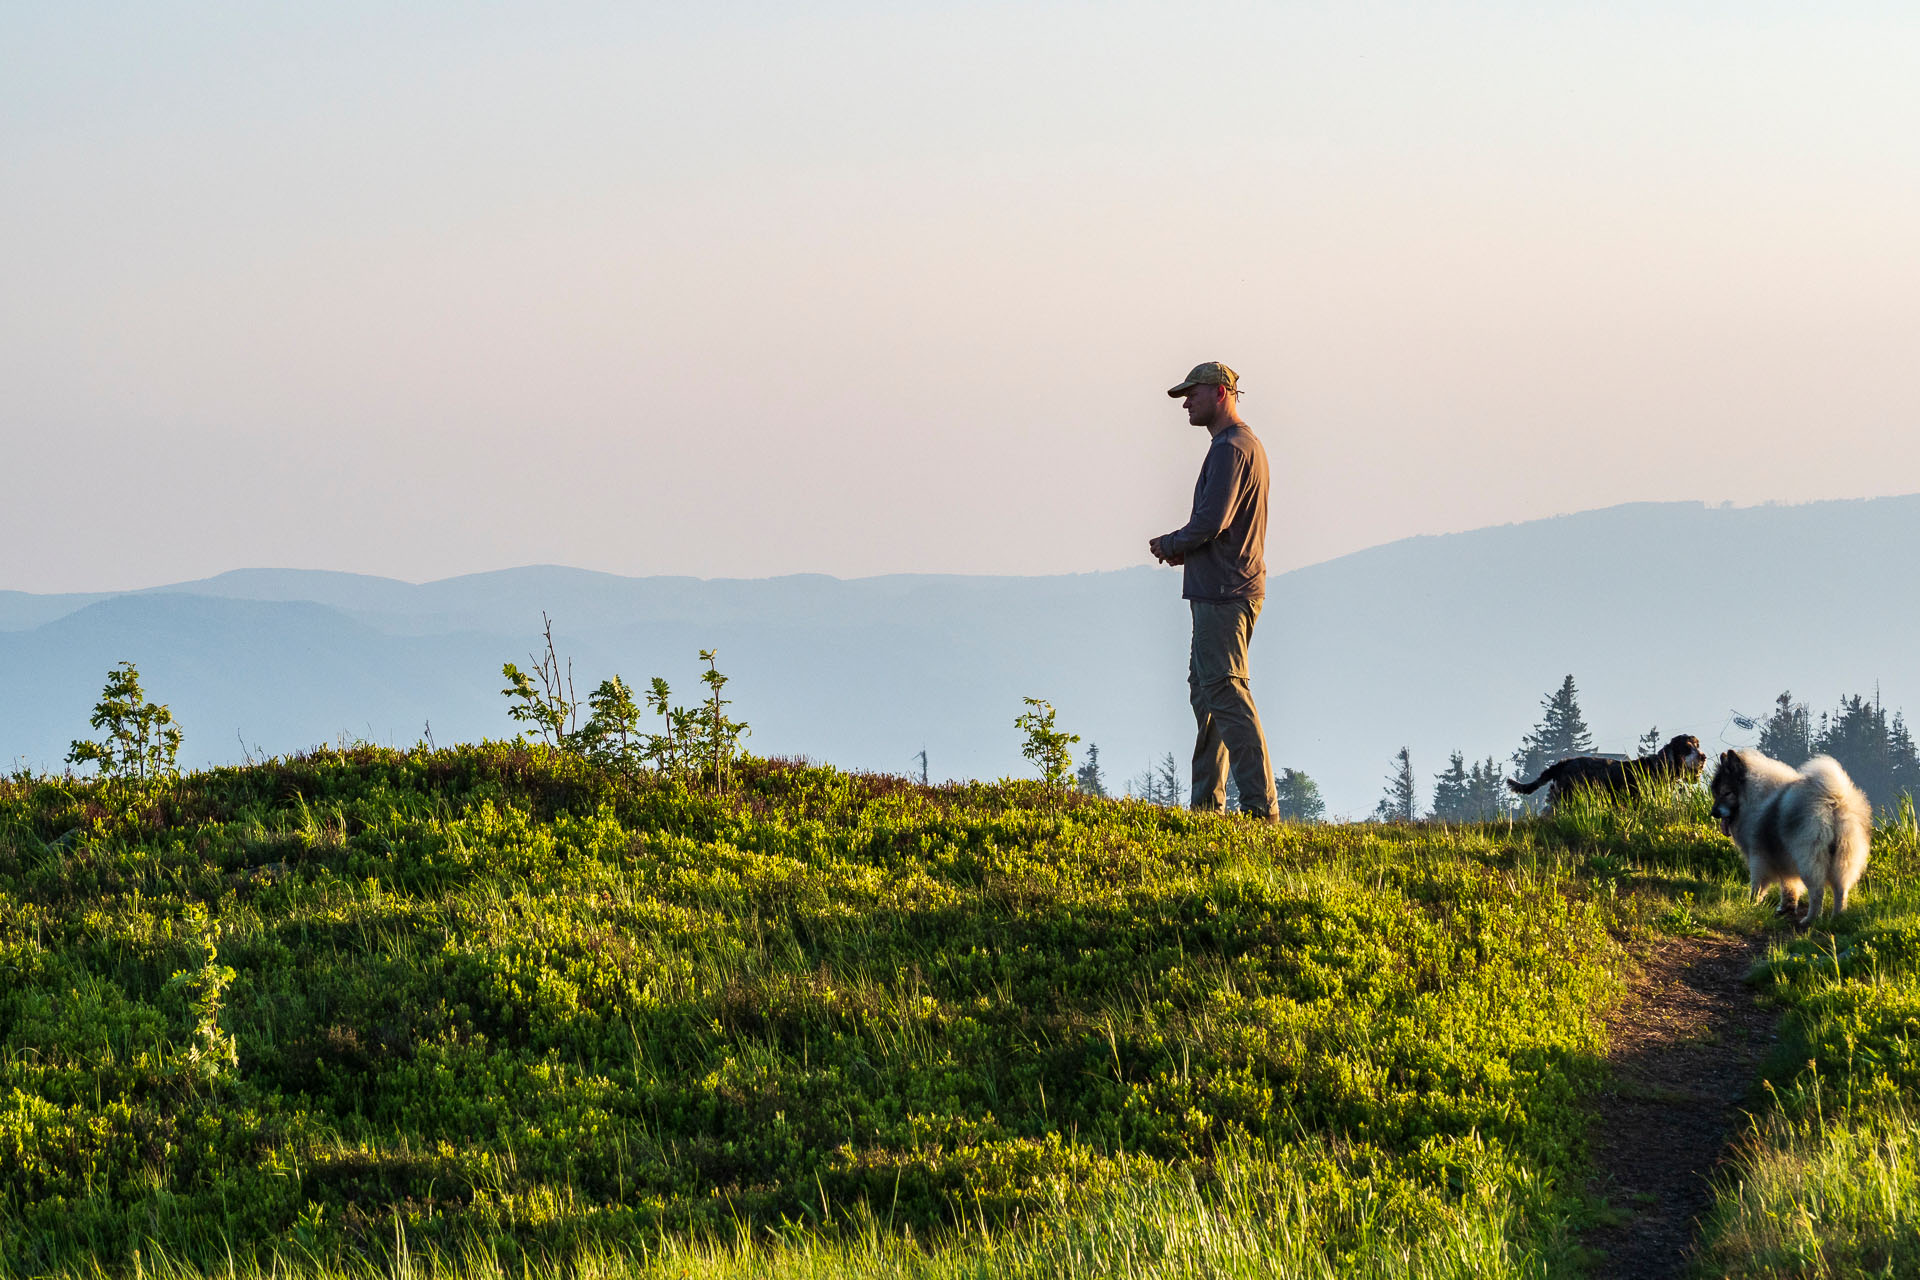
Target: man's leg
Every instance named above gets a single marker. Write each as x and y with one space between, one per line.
1209 752
1230 718
1239 727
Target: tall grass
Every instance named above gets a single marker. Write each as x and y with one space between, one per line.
1828 1183
1259 1219
1819 1194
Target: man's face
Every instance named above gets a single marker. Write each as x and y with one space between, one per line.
1201 404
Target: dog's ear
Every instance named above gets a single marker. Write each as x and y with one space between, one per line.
1732 772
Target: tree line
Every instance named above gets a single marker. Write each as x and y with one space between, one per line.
1159 783
1876 749
1874 746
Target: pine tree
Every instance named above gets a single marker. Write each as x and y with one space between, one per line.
1649 742
1397 805
1088 776
1450 791
1904 762
1788 734
1299 797
1876 749
1562 732
1159 784
1142 786
1168 778
1488 797
1471 793
1858 736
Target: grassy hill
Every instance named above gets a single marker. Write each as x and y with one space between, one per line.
489 1010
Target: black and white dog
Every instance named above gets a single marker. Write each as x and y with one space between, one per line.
1681 758
1802 829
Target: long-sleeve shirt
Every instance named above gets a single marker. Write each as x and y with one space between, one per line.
1225 543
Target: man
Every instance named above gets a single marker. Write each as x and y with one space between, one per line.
1223 551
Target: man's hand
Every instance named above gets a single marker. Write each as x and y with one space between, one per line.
1154 548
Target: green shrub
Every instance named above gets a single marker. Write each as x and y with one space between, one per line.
142 743
695 743
1045 746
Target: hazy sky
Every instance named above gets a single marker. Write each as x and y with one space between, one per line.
734 289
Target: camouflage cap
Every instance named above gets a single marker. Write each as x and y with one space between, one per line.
1210 374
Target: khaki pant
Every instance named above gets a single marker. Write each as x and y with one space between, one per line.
1223 710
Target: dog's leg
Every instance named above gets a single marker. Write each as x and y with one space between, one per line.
1816 894
1839 894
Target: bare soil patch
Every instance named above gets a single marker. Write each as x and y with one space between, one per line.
1687 1041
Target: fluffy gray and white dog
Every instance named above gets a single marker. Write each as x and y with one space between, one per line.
1804 829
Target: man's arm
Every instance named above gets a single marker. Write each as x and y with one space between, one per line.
1213 509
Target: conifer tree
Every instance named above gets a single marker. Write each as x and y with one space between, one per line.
1088 777
1875 748
1788 734
1142 786
1471 793
1487 795
1903 761
1562 732
1858 735
1397 805
1649 742
1168 778
1159 783
1450 790
1299 797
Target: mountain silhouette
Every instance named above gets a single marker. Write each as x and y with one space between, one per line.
1667 614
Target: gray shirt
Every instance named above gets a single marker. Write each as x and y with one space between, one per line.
1225 543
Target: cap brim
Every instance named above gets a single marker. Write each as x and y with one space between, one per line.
1183 388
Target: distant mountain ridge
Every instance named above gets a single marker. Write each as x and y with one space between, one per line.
1668 614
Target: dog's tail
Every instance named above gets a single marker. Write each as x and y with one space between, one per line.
1851 841
1846 816
1528 788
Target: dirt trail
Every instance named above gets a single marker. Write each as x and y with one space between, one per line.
1687 1040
